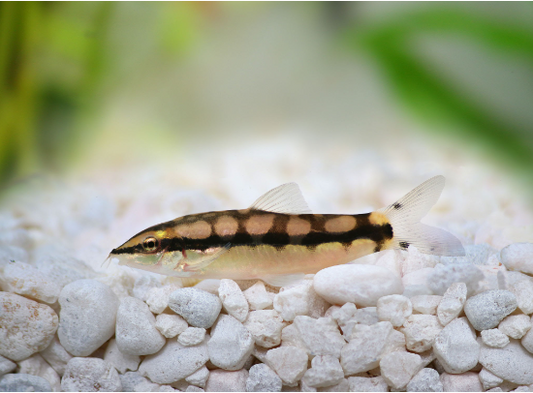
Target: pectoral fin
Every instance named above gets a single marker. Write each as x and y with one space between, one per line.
201 260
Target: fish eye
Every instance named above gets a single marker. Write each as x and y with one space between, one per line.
150 244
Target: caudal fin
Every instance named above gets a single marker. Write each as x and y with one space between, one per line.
405 214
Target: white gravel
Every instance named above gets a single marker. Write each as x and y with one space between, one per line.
390 321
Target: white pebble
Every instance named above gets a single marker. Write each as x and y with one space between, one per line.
257 296
174 362
26 326
452 303
230 344
467 382
56 356
511 363
191 388
362 285
394 308
157 298
24 383
518 256
366 347
426 304
227 381
443 276
233 299
515 326
26 280
366 316
300 299
36 365
488 379
87 317
420 331
6 365
426 380
494 338
366 384
290 363
199 378
320 336
417 278
170 325
64 269
136 333
85 374
191 336
199 308
527 340
119 360
266 327
487 309
397 368
521 286
456 347
262 378
325 371
342 386
135 382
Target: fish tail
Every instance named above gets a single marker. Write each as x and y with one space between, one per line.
405 214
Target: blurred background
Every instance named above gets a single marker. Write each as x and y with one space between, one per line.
118 84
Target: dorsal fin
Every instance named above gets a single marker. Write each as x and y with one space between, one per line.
287 199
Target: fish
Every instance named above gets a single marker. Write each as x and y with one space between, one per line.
278 239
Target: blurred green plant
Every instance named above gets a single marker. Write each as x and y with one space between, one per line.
435 99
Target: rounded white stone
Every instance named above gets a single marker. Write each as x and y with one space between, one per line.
199 308
518 256
527 340
262 378
266 327
89 375
362 285
494 338
487 309
36 365
511 363
170 325
257 296
521 285
227 381
191 336
452 302
420 331
456 347
394 308
290 363
134 382
426 380
467 382
233 299
136 333
6 365
515 326
230 344
488 379
199 377
26 326
26 280
397 368
443 276
24 383
87 316
157 298
319 336
174 362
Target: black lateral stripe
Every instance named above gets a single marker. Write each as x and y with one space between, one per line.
277 236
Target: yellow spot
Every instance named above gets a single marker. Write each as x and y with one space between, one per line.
376 218
296 227
226 226
199 230
341 224
260 224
